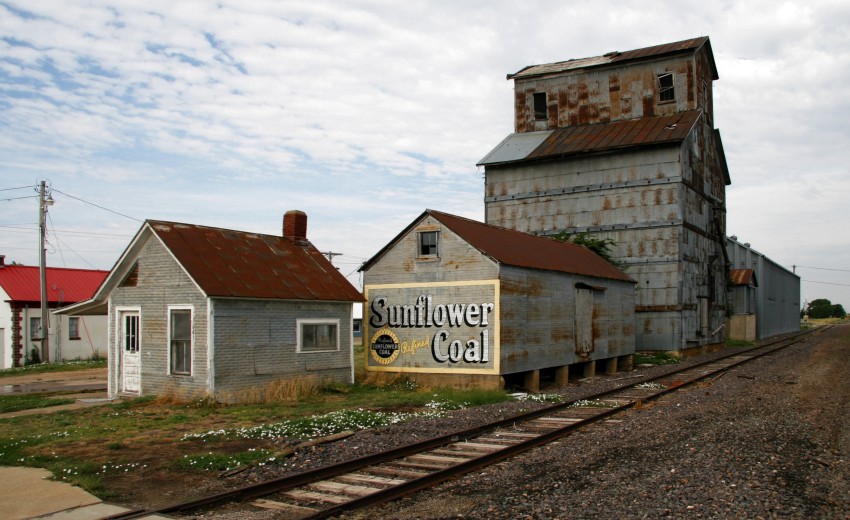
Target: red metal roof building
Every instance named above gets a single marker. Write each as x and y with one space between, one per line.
20 293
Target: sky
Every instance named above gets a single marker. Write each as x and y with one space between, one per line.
363 114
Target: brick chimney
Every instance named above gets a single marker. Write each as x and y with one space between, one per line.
295 225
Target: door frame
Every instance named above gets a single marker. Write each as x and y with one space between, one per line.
121 313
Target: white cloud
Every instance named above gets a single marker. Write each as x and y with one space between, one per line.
365 114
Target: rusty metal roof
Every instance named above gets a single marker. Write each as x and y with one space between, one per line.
743 277
599 137
515 248
618 58
64 286
238 264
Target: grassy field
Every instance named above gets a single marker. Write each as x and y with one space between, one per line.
106 448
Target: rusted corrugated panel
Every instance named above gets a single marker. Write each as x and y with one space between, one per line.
64 286
617 134
613 57
742 277
227 263
523 250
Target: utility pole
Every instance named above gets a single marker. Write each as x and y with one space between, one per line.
42 271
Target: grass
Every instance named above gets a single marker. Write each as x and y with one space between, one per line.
656 358
16 403
98 447
59 366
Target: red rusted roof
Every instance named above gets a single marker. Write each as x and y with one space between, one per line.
572 140
618 58
511 247
64 286
237 264
743 277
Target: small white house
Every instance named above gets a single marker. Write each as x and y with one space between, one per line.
208 311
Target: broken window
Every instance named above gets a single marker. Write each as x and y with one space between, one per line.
666 92
428 243
540 106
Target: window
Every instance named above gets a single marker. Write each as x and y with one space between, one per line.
131 333
35 328
180 332
318 335
666 92
428 243
540 110
74 327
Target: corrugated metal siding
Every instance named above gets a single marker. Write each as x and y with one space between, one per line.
660 225
599 97
777 296
538 319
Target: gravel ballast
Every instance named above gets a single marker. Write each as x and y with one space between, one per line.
770 439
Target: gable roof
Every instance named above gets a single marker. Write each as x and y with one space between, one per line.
515 248
64 286
619 58
238 264
597 137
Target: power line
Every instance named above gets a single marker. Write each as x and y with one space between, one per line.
824 268
19 198
95 205
10 189
828 283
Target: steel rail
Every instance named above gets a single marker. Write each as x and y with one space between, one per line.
285 483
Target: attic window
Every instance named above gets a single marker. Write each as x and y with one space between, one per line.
666 92
540 106
428 243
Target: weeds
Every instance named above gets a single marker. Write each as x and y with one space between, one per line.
15 403
657 358
59 366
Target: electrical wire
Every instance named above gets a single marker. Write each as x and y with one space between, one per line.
10 189
827 283
824 268
95 205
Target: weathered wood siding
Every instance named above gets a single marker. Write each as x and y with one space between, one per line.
456 260
256 340
161 282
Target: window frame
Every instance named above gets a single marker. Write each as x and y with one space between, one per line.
190 347
666 94
73 327
299 331
35 328
420 235
540 106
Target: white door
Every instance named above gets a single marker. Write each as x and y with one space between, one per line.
130 352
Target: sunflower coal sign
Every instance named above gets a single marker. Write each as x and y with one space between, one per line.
449 327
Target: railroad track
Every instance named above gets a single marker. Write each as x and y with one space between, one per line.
399 472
